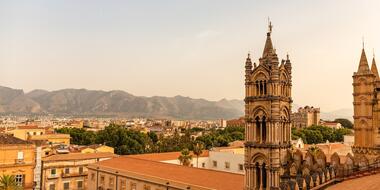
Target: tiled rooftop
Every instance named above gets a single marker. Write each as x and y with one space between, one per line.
9 139
212 179
79 156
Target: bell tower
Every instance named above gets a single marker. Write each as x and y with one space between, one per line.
267 114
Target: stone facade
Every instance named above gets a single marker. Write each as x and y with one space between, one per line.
366 86
267 114
306 117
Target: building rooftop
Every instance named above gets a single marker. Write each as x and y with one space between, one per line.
49 136
78 156
164 156
188 175
29 127
367 182
9 139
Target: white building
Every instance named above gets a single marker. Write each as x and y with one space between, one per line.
221 159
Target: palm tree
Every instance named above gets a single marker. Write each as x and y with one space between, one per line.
198 150
185 157
8 182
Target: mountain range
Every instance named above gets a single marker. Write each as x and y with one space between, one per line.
82 102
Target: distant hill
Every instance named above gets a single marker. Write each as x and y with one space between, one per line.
114 103
84 102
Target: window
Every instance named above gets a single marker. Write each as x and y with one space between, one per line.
241 167
34 133
80 184
92 176
110 181
146 187
52 186
123 185
66 185
81 170
133 186
214 163
102 179
67 170
20 155
227 165
53 172
19 179
203 165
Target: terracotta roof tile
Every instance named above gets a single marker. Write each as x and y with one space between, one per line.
9 139
164 156
364 183
212 179
79 156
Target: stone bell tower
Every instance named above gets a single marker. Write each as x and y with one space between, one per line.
267 114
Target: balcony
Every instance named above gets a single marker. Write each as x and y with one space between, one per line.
19 161
74 174
53 176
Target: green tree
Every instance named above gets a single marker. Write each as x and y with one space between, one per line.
185 157
339 133
8 182
313 136
198 150
345 123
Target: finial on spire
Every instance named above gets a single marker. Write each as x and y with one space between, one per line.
363 41
249 54
287 56
270 26
373 52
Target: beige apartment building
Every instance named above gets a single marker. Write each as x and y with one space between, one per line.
69 171
127 173
306 117
17 158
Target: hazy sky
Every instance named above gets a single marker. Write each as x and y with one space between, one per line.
192 48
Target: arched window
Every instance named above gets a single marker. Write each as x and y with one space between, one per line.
257 129
265 87
264 129
258 176
257 89
264 173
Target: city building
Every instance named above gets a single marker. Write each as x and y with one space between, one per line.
69 171
366 91
306 117
331 124
17 158
25 131
227 159
51 138
127 173
267 113
236 122
97 148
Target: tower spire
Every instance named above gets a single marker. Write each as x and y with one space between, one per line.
363 64
374 67
268 48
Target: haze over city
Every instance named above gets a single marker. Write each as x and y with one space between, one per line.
192 48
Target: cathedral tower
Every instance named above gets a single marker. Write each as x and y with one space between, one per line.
267 114
366 86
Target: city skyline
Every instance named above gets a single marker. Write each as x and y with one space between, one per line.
194 49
